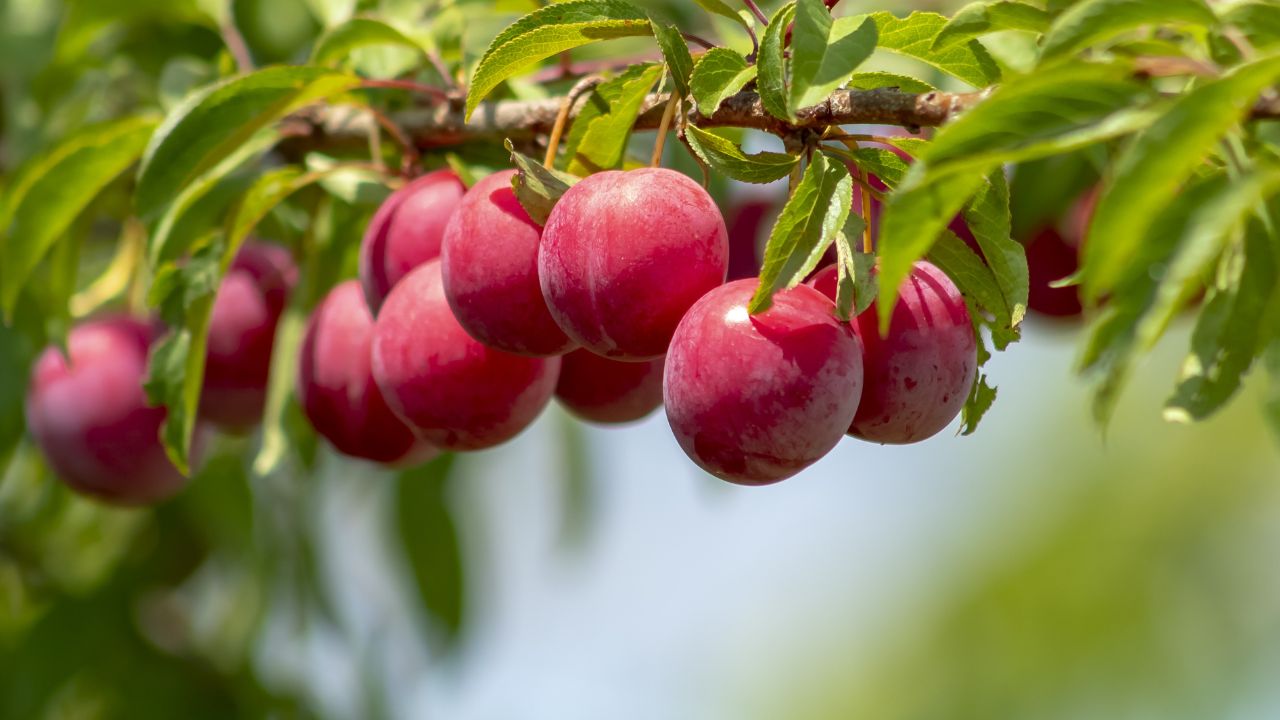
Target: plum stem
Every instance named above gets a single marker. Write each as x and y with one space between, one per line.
562 117
663 128
755 10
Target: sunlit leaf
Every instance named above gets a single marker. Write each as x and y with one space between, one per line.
49 192
598 138
1091 21
213 123
771 64
980 18
808 224
548 31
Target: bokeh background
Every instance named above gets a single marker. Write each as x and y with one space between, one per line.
1038 569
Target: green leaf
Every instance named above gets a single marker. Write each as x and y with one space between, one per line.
1150 173
990 220
856 277
598 138
980 18
211 124
718 7
52 189
981 397
914 216
549 31
913 36
175 369
1228 335
973 277
175 231
358 32
728 158
719 74
825 52
877 79
676 54
429 536
536 186
771 65
1213 220
809 222
1090 21
1045 113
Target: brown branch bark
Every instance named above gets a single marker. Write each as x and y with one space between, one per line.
442 125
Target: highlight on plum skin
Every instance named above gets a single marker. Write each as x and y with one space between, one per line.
489 260
625 254
406 231
337 390
756 399
609 392
453 390
242 330
918 376
89 415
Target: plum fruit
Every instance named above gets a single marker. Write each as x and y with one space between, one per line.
625 254
918 376
336 387
456 392
406 231
606 391
756 399
242 332
89 415
489 261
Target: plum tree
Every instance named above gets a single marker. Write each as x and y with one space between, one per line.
625 254
756 399
919 374
406 231
489 262
337 390
242 330
606 391
90 417
456 392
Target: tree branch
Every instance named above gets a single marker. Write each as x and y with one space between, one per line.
442 125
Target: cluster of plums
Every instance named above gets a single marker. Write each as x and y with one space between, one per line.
469 317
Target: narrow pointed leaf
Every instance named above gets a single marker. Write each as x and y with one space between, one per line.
808 224
771 64
675 51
